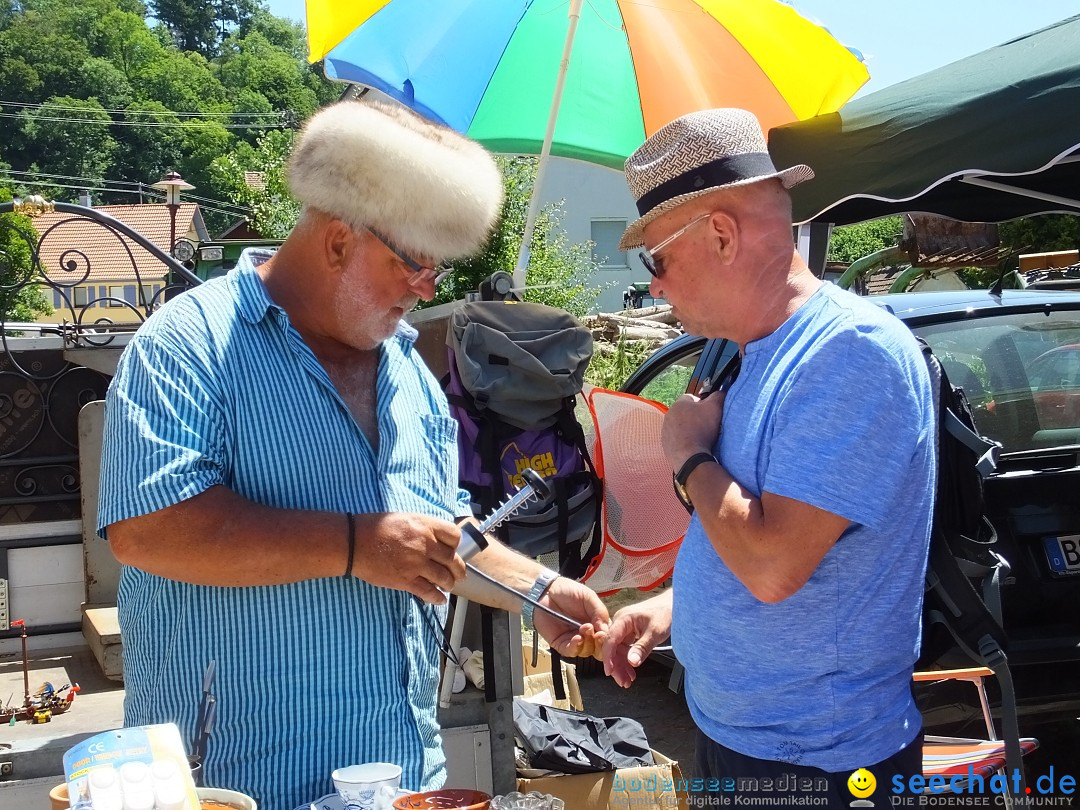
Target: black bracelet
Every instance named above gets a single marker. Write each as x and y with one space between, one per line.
352 542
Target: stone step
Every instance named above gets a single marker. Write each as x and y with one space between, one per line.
101 629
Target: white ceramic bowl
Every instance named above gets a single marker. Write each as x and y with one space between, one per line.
231 796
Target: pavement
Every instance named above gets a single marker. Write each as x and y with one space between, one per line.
34 754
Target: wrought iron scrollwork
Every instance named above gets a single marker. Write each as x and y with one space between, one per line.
41 392
40 257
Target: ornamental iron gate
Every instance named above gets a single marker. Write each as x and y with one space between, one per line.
46 376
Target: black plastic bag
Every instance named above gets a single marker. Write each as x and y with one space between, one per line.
575 742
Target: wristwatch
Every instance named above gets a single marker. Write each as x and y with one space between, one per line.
543 580
681 477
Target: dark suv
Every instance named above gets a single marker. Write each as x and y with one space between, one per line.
1017 357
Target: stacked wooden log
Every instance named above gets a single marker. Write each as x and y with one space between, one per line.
655 324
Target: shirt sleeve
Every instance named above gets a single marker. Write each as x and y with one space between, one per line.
849 428
164 436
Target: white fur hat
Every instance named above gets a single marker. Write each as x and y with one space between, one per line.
435 193
695 155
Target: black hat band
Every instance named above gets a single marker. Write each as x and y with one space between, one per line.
722 172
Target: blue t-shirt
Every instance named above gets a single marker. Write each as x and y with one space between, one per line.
833 409
218 388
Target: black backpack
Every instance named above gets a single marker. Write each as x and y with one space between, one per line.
962 601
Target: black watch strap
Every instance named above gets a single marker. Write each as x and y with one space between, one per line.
690 465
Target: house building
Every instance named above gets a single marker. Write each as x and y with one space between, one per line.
597 206
96 273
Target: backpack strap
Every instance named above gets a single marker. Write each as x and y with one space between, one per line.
573 561
986 451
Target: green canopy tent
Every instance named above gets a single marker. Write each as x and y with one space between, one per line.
989 138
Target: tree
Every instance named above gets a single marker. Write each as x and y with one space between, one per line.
253 63
71 137
192 23
20 299
851 242
198 25
274 209
183 82
146 153
1041 234
560 273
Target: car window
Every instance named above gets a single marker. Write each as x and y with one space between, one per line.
670 382
1021 373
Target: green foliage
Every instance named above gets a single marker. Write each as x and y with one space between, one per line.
851 242
18 302
275 209
1041 234
181 105
559 271
149 152
77 140
255 64
610 369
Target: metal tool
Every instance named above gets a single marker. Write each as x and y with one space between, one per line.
533 488
473 539
204 720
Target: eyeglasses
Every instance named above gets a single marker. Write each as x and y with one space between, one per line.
420 274
655 265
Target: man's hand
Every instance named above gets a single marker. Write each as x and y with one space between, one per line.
634 632
691 425
578 602
408 552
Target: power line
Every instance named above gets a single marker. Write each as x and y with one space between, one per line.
87 179
239 212
140 188
69 108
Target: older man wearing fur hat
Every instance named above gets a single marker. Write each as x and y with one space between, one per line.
797 592
279 476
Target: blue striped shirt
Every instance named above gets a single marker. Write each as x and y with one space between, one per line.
217 388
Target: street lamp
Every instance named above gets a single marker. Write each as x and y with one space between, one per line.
172 184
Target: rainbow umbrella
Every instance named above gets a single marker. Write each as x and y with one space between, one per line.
501 71
488 68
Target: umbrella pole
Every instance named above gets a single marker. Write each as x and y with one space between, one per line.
541 166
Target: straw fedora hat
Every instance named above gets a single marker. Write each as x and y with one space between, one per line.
698 154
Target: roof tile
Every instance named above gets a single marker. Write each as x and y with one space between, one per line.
95 253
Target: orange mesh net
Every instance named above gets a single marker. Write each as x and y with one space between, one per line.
643 521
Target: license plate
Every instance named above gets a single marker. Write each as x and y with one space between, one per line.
1063 553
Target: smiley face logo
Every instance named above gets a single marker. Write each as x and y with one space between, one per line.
861 783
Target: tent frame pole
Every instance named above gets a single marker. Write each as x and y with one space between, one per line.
1021 192
541 166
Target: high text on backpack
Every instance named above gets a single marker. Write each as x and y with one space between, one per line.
516 370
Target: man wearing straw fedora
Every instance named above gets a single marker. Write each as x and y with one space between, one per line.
279 477
797 592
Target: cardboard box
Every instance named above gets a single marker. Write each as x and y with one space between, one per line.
656 787
1045 261
537 679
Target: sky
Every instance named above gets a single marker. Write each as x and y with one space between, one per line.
900 38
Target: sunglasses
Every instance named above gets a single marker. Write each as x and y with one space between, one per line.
652 262
419 273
